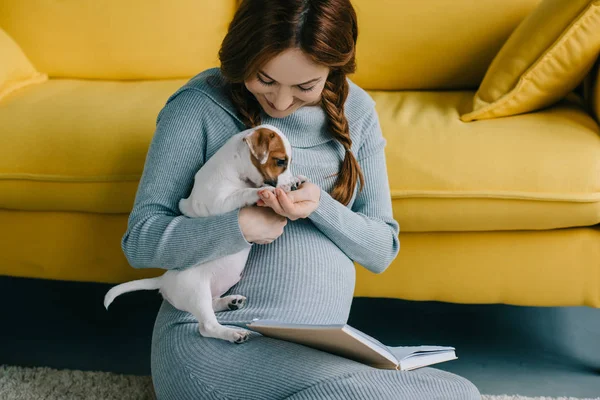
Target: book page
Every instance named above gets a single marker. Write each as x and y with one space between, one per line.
403 352
411 363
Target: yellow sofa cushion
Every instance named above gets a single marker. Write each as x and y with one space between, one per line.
546 57
534 268
78 145
133 39
532 171
81 146
558 267
433 44
16 70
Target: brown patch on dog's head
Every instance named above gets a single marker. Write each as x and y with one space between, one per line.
268 155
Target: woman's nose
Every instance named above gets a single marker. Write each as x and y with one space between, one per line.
283 99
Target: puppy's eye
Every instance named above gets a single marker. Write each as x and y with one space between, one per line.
281 163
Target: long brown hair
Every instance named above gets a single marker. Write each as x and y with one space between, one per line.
326 30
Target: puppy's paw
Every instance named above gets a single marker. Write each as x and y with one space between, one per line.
235 302
288 187
301 179
298 181
240 336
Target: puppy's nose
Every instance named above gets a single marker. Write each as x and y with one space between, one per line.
294 187
271 183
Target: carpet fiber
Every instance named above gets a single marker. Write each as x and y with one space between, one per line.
18 383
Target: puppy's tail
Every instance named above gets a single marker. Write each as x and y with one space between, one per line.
140 284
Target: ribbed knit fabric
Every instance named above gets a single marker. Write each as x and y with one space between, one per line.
305 276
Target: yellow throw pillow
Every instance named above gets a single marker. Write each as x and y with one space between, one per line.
544 59
16 71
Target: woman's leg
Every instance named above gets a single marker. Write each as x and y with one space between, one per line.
187 366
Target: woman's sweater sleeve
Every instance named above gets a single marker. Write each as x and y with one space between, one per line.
367 233
157 235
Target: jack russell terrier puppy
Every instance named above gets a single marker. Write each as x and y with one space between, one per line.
229 180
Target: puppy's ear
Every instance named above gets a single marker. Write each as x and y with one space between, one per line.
258 142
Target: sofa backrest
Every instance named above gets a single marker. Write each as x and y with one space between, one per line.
118 39
432 44
403 44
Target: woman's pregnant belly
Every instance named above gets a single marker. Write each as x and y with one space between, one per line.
302 277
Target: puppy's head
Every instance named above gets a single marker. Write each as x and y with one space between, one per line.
271 154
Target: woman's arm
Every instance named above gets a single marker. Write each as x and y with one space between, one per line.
367 233
157 235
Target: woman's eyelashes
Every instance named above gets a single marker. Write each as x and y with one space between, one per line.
271 83
306 89
266 83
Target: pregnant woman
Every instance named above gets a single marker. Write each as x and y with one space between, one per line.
283 62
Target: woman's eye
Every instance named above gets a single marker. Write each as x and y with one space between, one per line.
266 83
306 89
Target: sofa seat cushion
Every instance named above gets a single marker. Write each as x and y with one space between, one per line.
78 145
533 171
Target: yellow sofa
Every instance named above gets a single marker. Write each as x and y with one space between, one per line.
503 210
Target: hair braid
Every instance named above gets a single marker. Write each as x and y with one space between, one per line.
246 104
333 98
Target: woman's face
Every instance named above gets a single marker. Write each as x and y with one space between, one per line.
287 82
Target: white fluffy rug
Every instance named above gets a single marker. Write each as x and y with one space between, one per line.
17 383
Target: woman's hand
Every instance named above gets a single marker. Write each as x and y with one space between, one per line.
293 205
260 225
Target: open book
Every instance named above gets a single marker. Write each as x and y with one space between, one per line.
351 343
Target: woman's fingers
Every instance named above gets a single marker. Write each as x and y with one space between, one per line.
301 194
286 203
270 200
293 205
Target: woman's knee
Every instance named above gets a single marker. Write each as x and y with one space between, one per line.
470 390
453 386
373 384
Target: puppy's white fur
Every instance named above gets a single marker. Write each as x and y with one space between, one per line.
227 181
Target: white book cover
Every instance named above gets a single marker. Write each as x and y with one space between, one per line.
351 343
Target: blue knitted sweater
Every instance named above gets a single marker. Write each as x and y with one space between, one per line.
307 275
